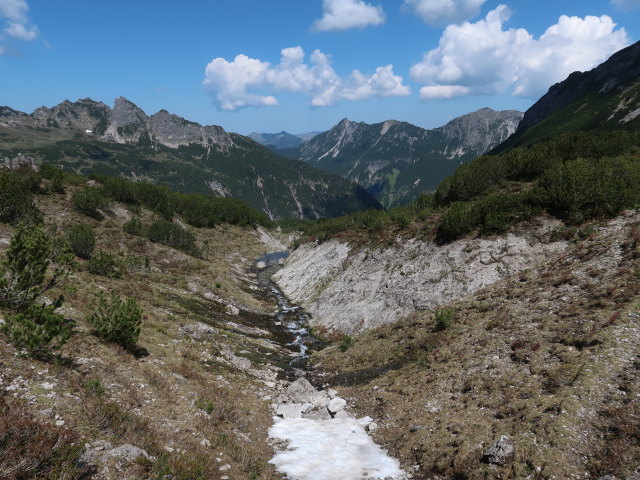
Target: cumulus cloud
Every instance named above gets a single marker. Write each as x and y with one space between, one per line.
444 12
17 25
248 81
626 5
346 14
485 58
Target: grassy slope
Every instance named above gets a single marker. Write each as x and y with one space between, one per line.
149 402
548 357
594 112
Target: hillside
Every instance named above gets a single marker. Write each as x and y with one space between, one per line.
605 98
395 161
89 137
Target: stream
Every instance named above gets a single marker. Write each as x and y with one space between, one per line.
291 324
319 439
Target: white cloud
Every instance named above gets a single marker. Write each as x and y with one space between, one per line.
484 58
21 31
15 10
444 12
346 14
247 81
626 5
17 24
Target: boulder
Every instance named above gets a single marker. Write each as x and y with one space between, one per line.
336 404
290 410
501 452
301 391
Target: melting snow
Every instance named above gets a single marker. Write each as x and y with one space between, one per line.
331 449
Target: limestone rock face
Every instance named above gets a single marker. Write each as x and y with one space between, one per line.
351 290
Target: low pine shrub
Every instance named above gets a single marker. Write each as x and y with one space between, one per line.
444 318
134 227
104 264
88 201
82 240
39 330
173 235
117 320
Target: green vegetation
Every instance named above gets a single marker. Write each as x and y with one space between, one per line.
134 227
38 330
444 318
346 343
173 235
89 200
575 177
23 278
205 405
117 320
82 240
16 196
94 387
23 274
104 264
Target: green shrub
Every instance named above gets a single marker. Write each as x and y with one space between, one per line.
172 235
117 320
444 317
16 199
94 387
582 189
104 264
134 226
206 405
23 273
82 240
38 330
88 201
346 343
460 219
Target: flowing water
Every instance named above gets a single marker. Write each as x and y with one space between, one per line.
291 323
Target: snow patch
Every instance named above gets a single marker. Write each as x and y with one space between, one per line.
336 448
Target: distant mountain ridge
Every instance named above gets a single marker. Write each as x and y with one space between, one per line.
282 140
395 161
606 97
89 137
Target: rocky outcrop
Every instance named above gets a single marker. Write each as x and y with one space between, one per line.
350 290
19 161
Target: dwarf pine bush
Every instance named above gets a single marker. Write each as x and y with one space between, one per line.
38 330
117 320
82 240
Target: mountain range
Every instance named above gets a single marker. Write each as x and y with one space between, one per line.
90 137
282 140
396 161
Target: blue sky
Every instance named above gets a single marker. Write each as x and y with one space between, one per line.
421 61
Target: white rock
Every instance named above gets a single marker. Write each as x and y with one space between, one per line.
205 443
372 427
289 410
332 393
336 404
261 265
225 467
369 283
59 423
232 310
